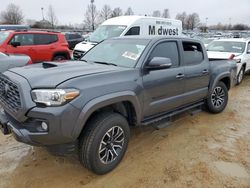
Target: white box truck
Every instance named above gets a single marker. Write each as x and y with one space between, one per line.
129 25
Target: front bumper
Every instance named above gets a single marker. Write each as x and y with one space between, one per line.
19 132
60 123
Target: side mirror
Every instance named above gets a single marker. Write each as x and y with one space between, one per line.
15 44
159 63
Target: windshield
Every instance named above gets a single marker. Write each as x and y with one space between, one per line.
3 36
124 53
104 32
226 46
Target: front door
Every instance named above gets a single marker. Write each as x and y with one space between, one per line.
26 45
163 89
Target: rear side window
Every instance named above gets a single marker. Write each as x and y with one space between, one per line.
133 31
168 50
24 39
43 39
193 53
74 36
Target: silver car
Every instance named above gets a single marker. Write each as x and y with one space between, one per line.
8 61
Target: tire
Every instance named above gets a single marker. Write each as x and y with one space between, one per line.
218 99
109 128
240 76
59 58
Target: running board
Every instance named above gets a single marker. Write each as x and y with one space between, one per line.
166 119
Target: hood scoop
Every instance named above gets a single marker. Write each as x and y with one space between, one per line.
47 65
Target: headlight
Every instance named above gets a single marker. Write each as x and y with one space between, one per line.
53 97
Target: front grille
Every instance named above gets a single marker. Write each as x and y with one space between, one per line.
9 94
78 54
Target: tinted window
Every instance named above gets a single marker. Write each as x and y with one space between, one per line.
74 36
193 53
24 39
168 50
43 39
67 36
134 31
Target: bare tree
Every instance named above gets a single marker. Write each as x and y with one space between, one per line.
116 12
129 12
105 12
193 21
12 15
91 16
182 17
165 13
156 13
52 16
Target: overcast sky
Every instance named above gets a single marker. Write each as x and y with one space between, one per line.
72 11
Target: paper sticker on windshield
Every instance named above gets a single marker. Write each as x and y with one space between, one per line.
130 55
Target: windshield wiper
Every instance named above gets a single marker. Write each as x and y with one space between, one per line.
105 63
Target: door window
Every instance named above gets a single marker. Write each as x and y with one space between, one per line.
133 31
44 39
24 39
167 50
193 53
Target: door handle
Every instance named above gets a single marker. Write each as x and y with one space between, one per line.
205 71
180 76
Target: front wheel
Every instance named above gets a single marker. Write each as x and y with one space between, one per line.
104 142
218 99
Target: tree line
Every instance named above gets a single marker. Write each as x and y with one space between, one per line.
93 17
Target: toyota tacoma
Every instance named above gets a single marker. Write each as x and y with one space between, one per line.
88 106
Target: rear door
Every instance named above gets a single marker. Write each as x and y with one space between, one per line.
163 89
26 45
45 45
196 72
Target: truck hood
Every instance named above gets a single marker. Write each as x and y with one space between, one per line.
51 74
221 55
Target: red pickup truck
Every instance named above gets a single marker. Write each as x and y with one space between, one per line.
39 45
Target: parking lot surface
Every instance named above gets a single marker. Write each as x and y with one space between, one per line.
204 150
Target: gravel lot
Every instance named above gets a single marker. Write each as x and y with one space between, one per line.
196 151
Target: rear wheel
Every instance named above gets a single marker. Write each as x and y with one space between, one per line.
59 58
217 100
240 75
104 142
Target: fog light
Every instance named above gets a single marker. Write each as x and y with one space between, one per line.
44 126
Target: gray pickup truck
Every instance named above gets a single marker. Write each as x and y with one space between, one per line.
88 106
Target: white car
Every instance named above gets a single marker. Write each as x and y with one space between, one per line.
207 41
238 49
129 25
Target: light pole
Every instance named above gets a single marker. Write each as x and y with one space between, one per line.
230 23
92 14
42 12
